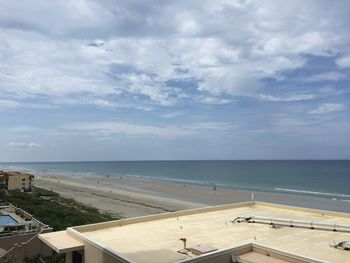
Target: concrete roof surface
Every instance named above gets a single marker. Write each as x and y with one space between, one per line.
61 241
259 258
158 240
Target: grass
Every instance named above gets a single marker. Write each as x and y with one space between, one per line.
54 210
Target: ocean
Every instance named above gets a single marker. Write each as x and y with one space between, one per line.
329 179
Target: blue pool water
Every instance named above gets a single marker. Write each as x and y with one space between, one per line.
7 220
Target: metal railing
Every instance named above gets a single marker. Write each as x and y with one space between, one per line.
28 215
281 222
28 227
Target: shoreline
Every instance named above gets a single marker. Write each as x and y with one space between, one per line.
325 179
130 197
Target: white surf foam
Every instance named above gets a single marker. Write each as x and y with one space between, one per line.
311 192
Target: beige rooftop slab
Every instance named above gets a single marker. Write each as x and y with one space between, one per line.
157 238
61 241
254 257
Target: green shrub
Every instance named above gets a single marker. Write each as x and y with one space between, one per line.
57 212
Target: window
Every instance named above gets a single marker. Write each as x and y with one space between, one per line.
77 257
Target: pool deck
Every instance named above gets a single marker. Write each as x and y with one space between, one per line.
156 238
13 216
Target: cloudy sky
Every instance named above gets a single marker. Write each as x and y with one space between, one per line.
131 80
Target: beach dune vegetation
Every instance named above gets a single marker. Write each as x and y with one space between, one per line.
52 209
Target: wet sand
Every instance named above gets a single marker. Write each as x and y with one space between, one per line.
128 197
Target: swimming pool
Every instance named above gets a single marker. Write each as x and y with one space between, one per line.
7 220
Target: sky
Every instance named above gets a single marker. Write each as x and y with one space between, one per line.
88 80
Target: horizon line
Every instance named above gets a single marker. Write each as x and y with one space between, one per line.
171 160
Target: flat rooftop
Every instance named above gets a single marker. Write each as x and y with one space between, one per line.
157 238
62 242
14 173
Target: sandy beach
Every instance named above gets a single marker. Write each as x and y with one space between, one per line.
128 197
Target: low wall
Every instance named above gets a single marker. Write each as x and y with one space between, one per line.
21 250
8 242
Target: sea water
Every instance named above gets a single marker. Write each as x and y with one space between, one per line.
329 178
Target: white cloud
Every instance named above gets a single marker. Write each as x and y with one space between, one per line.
214 100
343 62
13 104
288 125
290 98
172 114
104 103
327 76
228 46
21 129
211 126
328 107
25 145
111 128
305 126
9 104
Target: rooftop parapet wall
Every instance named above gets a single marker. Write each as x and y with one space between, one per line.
135 220
315 212
227 255
123 222
142 238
